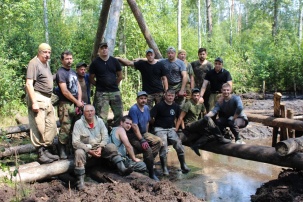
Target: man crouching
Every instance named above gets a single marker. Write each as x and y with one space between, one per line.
90 138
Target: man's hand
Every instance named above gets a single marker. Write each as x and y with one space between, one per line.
35 107
201 100
136 160
144 144
95 153
79 103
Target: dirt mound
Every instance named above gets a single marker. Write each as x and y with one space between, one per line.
136 191
288 187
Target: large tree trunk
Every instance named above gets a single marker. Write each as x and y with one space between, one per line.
275 21
101 26
209 19
22 149
112 26
144 29
289 146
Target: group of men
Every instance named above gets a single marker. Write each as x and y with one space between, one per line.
171 99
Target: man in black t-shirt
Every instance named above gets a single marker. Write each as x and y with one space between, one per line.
154 80
216 78
164 115
106 74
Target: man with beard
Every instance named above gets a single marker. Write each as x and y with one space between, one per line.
200 68
70 97
154 81
83 79
39 87
139 137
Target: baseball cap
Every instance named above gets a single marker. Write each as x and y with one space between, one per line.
80 64
141 93
149 51
195 90
102 44
218 59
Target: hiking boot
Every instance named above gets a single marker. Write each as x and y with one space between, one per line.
50 155
42 158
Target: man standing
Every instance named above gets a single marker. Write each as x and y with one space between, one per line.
200 68
216 78
164 115
197 130
39 88
106 74
152 73
231 114
139 137
119 138
90 140
83 79
190 80
70 97
176 74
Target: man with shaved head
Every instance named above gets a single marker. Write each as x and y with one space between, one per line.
39 87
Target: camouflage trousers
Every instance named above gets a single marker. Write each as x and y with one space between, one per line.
67 118
213 98
43 127
153 98
104 100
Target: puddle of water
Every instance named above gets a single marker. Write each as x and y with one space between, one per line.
217 177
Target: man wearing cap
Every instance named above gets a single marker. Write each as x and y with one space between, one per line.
70 101
39 87
190 80
164 115
200 68
198 130
83 79
106 74
139 137
216 78
176 74
152 72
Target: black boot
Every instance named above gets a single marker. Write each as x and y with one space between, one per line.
183 165
220 138
80 178
50 155
163 161
121 167
42 158
151 172
62 150
201 141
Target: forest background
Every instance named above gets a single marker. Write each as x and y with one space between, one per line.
259 40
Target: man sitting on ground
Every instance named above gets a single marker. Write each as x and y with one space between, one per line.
90 140
231 114
197 131
119 138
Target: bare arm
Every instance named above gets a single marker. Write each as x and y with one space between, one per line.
125 61
119 77
184 80
69 96
123 137
29 85
137 131
180 120
79 92
192 81
203 89
165 83
230 83
92 79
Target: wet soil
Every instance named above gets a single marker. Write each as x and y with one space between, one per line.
286 188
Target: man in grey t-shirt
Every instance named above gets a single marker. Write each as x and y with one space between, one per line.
176 74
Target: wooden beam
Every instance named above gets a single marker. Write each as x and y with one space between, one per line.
290 115
283 130
22 149
277 100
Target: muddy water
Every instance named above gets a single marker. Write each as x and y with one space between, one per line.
222 178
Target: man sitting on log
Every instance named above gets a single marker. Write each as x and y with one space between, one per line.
197 131
164 115
119 138
90 139
231 114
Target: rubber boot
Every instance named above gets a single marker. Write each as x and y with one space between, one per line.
220 138
121 167
196 146
50 155
80 173
183 165
163 161
151 172
62 150
42 158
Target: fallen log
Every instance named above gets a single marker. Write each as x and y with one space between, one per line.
289 146
21 149
276 122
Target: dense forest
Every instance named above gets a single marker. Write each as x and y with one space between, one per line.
259 40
